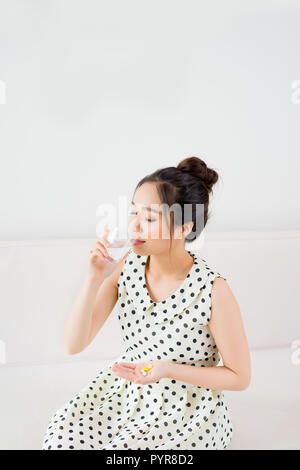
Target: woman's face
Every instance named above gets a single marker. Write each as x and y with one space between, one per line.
148 222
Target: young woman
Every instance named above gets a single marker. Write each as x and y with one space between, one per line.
177 316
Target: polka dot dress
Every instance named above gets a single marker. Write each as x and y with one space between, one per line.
114 413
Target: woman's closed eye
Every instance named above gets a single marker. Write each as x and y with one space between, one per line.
148 220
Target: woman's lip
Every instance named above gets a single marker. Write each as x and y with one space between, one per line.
137 241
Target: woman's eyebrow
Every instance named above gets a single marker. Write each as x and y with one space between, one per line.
147 207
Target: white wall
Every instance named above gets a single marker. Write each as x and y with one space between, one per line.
99 94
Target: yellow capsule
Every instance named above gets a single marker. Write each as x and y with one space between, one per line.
145 368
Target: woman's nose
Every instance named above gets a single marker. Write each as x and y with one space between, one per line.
134 228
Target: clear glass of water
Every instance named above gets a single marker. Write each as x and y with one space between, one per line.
118 246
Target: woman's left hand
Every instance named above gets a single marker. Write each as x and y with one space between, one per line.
132 371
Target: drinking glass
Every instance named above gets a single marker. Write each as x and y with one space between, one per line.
118 246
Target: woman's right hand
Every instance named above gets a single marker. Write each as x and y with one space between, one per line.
100 263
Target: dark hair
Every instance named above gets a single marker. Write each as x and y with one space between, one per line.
191 183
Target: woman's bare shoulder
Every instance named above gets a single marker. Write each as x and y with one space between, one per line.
223 300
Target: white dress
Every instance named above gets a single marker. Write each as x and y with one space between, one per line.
114 413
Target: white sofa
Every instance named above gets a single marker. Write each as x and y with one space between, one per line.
40 280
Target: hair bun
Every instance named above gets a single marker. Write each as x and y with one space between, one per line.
198 168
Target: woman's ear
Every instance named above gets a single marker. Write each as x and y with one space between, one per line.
187 228
179 233
182 231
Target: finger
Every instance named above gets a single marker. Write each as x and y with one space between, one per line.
104 236
127 364
102 248
102 243
104 239
125 369
104 253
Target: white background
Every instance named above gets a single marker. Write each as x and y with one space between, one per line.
99 94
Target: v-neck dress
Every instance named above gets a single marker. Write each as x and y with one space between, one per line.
111 412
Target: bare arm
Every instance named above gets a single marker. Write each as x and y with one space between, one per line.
227 328
94 304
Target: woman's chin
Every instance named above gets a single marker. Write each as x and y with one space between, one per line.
138 247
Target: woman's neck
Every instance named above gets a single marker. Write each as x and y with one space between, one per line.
164 266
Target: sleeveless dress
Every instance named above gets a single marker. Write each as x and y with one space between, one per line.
114 413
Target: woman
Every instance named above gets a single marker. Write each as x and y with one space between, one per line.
177 316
